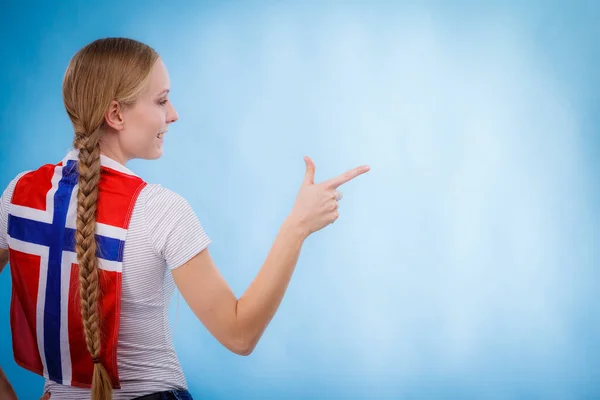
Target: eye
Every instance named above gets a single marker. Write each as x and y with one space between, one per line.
163 102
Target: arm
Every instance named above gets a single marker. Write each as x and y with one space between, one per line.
6 390
239 324
4 209
3 258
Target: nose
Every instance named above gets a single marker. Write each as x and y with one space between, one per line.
172 116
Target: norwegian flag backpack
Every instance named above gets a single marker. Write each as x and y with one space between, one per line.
47 330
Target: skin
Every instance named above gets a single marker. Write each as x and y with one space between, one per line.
6 390
132 131
236 323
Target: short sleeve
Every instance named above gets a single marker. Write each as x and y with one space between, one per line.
4 208
174 230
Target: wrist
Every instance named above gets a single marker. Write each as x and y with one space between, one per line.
295 227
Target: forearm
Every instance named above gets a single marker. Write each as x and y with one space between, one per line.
6 390
258 304
3 258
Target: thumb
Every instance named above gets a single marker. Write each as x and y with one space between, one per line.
309 177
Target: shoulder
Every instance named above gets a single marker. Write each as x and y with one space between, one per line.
173 227
155 195
39 177
10 188
163 207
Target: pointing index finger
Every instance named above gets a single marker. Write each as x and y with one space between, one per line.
339 180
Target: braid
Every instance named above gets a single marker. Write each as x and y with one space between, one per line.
86 246
107 71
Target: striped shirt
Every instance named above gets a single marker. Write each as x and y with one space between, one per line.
164 233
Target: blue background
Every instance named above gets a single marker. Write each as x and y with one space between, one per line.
463 265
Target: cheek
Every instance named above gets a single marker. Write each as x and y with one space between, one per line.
147 123
142 126
154 121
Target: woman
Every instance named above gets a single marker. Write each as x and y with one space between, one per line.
103 245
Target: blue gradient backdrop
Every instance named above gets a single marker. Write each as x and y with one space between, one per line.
464 265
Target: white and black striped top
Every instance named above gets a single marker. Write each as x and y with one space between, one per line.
163 234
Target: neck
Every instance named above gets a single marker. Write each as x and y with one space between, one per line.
113 153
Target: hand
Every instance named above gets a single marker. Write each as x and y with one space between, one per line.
316 205
46 396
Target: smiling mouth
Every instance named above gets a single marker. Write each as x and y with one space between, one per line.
161 135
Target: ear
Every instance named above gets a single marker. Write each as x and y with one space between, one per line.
114 116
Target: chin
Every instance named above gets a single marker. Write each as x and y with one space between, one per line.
153 155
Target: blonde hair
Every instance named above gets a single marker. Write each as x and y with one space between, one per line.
105 70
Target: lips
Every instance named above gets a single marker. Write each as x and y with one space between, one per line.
161 134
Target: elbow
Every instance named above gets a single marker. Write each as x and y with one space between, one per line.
242 341
244 335
246 351
242 346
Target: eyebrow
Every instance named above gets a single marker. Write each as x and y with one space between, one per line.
163 92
